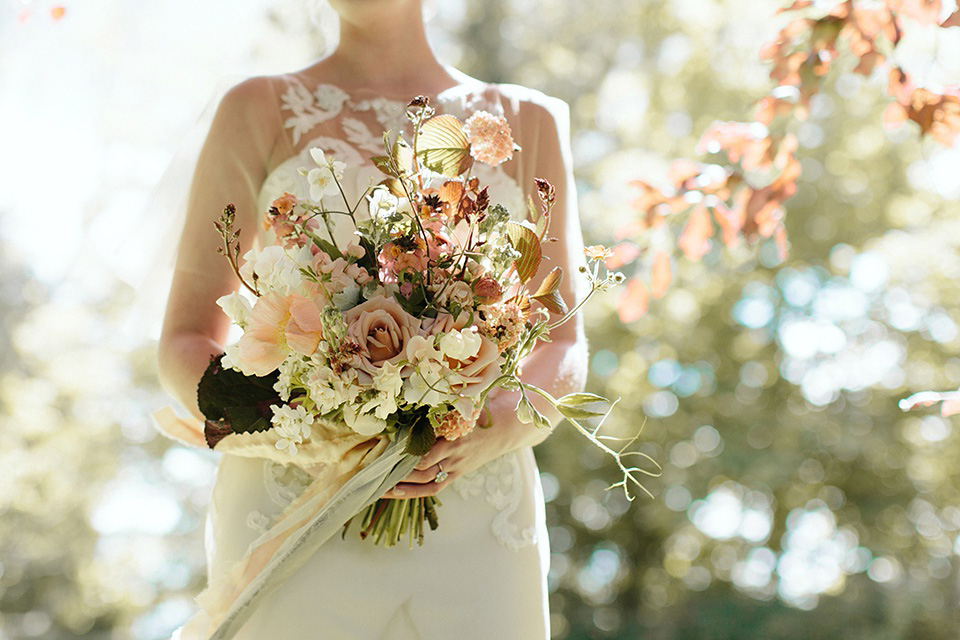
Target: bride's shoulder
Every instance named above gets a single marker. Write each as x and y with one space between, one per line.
527 104
533 112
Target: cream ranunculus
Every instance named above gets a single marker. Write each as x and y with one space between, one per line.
382 330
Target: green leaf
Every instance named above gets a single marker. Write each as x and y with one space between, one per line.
231 400
383 163
580 399
577 413
422 438
443 147
526 242
548 293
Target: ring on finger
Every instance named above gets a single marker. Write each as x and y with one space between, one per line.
441 474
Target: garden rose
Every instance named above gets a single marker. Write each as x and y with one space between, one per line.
382 329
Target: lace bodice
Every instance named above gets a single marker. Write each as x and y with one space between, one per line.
351 129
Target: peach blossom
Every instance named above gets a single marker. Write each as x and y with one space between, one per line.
304 329
263 345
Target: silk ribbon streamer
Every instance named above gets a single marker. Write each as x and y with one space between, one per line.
350 473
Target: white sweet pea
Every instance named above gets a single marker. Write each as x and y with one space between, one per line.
426 385
363 423
420 348
460 345
382 405
231 359
293 425
236 307
388 380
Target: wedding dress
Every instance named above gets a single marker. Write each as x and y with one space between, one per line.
482 573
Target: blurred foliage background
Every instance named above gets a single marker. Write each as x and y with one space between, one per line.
796 500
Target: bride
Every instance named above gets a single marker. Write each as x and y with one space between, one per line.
482 573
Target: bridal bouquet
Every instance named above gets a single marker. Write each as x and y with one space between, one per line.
404 330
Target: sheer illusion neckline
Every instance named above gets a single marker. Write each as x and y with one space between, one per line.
466 85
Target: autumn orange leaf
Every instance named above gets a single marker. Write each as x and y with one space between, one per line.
662 276
633 301
695 239
623 253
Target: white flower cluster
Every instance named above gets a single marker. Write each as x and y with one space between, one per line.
293 425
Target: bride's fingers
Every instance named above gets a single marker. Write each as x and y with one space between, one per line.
410 490
439 451
420 476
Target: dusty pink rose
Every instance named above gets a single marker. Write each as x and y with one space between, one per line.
475 374
443 323
382 329
490 139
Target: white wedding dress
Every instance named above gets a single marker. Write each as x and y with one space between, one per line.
482 573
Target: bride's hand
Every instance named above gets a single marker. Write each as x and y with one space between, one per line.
470 452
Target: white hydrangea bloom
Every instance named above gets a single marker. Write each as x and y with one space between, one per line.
289 369
237 308
460 345
328 390
293 425
277 268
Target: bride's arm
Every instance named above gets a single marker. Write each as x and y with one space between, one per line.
558 367
231 167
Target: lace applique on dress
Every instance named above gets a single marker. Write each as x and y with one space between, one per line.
500 483
310 109
283 483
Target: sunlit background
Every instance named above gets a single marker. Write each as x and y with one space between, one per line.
796 500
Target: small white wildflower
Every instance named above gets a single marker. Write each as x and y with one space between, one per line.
383 204
292 424
323 178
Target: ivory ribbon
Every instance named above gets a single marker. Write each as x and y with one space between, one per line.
350 472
